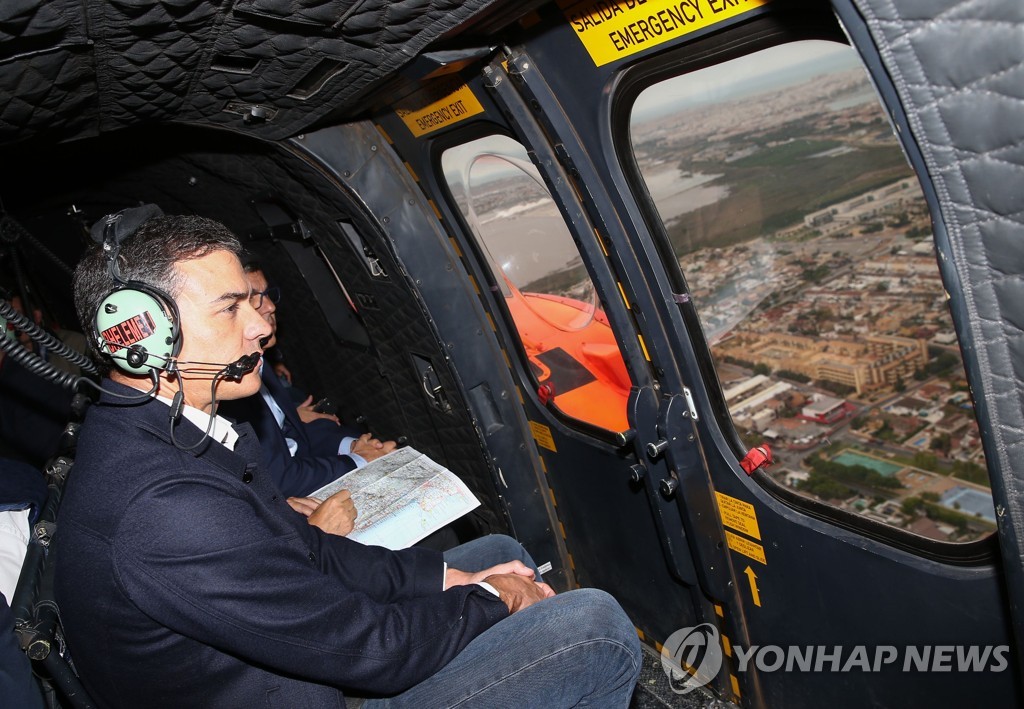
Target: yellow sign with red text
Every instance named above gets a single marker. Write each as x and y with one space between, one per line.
613 29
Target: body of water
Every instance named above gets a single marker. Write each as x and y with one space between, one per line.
676 193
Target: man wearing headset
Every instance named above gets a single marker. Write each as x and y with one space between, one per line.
304 450
184 579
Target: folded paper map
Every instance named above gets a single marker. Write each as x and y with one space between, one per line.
401 498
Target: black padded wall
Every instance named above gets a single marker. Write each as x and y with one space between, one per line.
221 175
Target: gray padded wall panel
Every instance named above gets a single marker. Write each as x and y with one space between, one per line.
958 68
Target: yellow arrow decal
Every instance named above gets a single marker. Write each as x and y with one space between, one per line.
752 578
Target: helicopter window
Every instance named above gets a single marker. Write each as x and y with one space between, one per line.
807 246
573 354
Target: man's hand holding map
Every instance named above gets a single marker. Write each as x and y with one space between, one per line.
401 498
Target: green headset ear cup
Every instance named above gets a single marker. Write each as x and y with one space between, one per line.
142 319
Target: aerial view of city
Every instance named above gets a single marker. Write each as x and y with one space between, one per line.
807 246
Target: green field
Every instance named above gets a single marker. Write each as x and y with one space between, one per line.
775 187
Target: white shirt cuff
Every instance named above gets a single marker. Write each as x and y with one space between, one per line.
345 448
482 584
488 587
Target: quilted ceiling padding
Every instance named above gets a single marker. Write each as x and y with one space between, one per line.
958 67
75 68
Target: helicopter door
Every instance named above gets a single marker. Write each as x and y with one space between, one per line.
773 250
538 257
754 182
585 387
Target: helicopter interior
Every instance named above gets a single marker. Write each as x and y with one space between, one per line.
284 121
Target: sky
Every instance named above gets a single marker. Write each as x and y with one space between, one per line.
768 69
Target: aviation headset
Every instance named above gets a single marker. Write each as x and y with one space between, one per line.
136 324
139 326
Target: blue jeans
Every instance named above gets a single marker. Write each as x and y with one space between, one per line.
576 649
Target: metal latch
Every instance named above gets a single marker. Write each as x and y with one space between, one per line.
689 403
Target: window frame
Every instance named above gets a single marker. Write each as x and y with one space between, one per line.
770 30
508 330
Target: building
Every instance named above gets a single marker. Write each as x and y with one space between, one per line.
862 207
910 406
824 409
864 364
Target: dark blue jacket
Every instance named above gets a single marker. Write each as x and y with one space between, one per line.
33 414
184 579
21 487
315 463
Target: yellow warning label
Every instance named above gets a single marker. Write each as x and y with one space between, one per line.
613 29
441 112
738 515
745 547
542 434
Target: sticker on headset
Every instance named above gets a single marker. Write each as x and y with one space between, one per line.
127 333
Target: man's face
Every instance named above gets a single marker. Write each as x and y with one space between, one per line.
218 325
258 283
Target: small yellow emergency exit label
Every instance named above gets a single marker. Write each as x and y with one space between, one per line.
613 29
440 112
739 515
